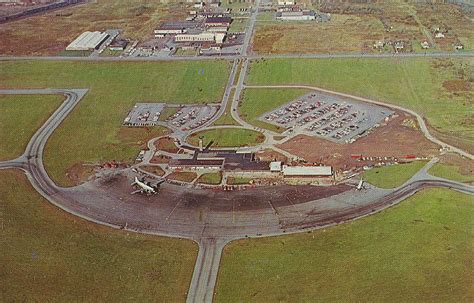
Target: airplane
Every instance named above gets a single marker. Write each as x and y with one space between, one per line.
146 187
360 186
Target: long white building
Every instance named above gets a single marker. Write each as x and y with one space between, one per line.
87 41
201 37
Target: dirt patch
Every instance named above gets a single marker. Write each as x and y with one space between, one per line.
270 155
182 176
457 85
80 172
166 144
391 140
161 159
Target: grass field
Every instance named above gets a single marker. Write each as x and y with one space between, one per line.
50 256
227 137
182 176
392 176
438 89
93 130
451 172
418 251
210 178
137 19
238 180
20 117
256 102
343 33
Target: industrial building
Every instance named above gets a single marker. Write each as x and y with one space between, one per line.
304 15
174 28
218 21
201 37
87 41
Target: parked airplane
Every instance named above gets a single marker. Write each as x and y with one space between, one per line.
146 187
360 186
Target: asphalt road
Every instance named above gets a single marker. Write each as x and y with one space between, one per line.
250 57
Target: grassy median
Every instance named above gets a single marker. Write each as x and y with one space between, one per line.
93 132
48 255
418 251
20 117
227 137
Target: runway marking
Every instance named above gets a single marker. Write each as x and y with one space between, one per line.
168 217
294 206
233 212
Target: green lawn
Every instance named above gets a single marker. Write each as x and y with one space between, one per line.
93 130
415 83
47 255
418 251
256 102
228 137
210 178
394 175
451 172
20 117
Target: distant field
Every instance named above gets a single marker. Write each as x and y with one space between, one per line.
354 28
227 137
392 176
20 117
48 255
137 18
418 251
342 34
256 102
93 132
438 89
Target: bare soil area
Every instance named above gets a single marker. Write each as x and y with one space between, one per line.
396 139
166 144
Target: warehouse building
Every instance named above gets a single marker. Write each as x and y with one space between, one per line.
87 41
306 171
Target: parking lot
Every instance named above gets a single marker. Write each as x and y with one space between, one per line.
191 117
331 117
144 114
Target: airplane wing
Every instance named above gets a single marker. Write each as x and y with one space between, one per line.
136 191
156 183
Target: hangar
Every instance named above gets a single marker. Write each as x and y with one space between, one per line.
87 41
